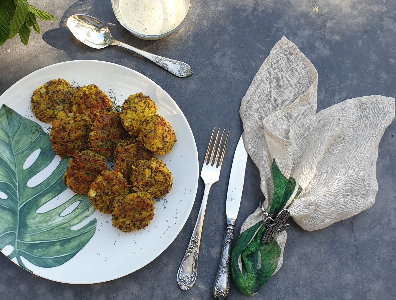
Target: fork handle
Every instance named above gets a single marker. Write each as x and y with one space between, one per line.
187 273
221 288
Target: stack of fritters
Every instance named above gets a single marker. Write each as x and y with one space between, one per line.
140 119
86 129
127 153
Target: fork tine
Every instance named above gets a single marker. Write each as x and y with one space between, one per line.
214 147
219 148
209 146
224 149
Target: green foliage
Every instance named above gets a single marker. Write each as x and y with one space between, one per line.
17 16
45 237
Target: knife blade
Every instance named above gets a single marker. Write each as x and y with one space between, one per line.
221 288
236 181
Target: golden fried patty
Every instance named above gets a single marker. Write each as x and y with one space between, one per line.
51 98
83 169
133 212
90 100
157 135
151 176
127 153
107 186
135 110
106 131
69 133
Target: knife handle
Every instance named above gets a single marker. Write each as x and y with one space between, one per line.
221 288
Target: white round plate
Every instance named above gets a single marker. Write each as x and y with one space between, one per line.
110 253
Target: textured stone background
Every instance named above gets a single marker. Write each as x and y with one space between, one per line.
352 45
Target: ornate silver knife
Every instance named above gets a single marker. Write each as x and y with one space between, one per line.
234 194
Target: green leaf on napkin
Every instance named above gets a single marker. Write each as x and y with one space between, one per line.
17 16
283 190
257 261
44 237
252 262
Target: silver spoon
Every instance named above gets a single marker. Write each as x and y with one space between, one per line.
96 34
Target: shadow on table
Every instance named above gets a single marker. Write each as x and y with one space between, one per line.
61 38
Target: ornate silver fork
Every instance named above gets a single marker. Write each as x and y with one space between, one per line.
210 173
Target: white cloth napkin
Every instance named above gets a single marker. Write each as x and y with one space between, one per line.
331 154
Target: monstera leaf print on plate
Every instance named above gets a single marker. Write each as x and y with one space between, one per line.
46 237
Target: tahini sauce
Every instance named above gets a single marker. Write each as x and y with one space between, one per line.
152 17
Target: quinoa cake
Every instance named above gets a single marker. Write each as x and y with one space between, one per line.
51 98
69 133
133 212
135 110
106 131
127 152
90 100
151 176
157 135
107 186
83 169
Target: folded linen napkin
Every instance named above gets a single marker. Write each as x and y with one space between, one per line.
321 167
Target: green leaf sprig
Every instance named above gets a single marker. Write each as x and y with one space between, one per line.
17 17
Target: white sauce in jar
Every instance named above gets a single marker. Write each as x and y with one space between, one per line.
153 17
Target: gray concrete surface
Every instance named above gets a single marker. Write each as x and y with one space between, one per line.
352 45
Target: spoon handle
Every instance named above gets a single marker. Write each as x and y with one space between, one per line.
178 68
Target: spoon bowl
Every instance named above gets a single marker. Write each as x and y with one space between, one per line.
90 31
96 34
